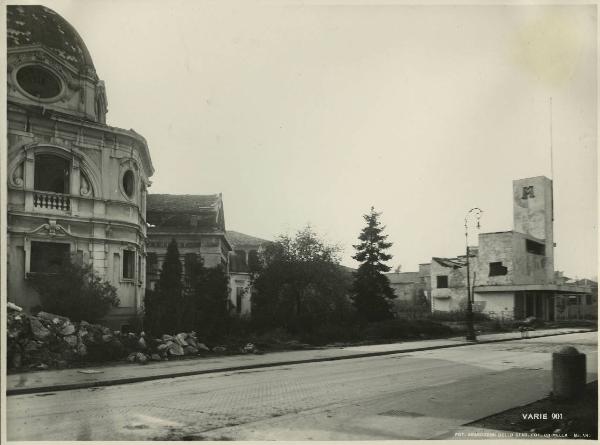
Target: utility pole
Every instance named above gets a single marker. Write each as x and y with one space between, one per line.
471 336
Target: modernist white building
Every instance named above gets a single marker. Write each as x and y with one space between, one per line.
512 272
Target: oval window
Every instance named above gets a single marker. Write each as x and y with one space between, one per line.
38 82
128 183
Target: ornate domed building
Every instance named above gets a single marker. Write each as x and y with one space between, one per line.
76 186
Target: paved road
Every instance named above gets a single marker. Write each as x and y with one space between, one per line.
404 396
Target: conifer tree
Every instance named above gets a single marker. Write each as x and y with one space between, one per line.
372 293
165 306
207 300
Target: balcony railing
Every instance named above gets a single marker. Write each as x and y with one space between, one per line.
50 200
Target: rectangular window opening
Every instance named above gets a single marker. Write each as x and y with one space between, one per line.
48 257
497 269
128 264
51 174
535 247
442 281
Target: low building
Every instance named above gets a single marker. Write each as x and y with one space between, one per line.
577 306
195 222
412 289
449 283
406 286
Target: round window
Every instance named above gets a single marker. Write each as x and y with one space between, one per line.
38 82
128 183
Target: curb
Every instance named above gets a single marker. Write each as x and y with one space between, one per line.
128 380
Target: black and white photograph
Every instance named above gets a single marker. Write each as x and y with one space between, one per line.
299 220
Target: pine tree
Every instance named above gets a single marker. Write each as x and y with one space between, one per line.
372 293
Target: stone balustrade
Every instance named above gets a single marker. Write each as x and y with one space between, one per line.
50 200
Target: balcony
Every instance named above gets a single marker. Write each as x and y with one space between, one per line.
51 201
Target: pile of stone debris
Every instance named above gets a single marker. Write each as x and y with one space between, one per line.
48 341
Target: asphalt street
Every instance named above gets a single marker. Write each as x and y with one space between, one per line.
416 395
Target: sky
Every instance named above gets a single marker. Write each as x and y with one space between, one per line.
312 112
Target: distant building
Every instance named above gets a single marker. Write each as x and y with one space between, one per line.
577 307
243 260
76 187
449 283
412 289
196 222
512 273
405 285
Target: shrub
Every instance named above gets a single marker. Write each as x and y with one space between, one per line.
398 329
75 291
457 316
412 310
331 333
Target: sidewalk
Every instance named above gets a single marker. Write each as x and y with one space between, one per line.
123 373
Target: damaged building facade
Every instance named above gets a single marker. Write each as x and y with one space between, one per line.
512 272
197 224
76 187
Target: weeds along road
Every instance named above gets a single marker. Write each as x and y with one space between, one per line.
402 396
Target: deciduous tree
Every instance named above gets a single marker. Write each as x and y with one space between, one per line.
300 284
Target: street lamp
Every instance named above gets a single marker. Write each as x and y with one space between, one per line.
474 212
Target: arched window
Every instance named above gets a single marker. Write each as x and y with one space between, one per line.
52 173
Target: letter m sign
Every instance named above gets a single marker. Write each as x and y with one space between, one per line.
528 192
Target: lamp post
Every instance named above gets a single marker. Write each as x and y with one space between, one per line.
476 212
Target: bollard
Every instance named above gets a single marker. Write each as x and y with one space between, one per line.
568 373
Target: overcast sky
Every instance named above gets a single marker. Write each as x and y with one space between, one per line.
312 113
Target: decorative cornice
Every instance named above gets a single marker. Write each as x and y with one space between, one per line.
52 228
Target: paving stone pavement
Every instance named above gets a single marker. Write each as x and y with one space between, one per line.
121 373
390 396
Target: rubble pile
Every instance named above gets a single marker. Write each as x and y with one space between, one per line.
48 341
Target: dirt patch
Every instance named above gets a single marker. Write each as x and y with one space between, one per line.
550 418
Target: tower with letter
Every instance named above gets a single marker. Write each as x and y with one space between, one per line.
533 214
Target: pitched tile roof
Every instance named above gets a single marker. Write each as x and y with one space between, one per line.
451 262
185 213
182 203
241 239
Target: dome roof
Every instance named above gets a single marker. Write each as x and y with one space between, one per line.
33 25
